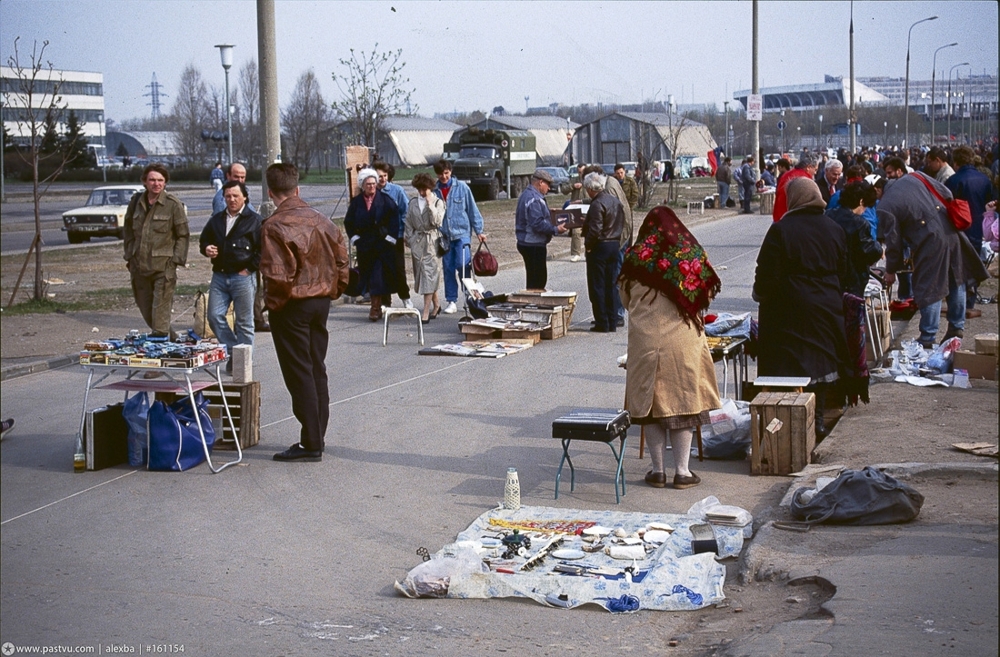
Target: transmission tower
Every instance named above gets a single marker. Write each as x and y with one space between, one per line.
154 96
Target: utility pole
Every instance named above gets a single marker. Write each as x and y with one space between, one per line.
755 143
852 123
270 118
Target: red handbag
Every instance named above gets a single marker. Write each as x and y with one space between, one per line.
483 263
958 210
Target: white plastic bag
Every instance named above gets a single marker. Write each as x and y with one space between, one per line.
431 579
727 435
711 504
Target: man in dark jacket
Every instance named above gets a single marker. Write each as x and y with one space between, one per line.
972 186
231 238
943 259
748 182
304 265
602 232
862 250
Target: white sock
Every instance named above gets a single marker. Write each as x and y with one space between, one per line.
680 441
656 440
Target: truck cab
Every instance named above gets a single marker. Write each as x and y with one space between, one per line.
488 159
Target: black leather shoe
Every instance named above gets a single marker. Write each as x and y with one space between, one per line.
298 453
620 323
263 327
598 329
690 481
656 479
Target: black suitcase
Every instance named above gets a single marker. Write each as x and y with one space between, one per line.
603 425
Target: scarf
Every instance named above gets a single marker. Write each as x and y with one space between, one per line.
668 259
803 193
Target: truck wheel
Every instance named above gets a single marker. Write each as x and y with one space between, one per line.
515 186
494 190
74 238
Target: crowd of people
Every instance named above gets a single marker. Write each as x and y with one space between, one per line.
833 220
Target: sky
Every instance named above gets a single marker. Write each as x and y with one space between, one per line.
476 55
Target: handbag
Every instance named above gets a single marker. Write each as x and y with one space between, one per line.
353 288
859 497
174 443
443 245
483 263
958 210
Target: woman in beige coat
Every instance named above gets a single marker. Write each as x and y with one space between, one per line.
423 223
666 283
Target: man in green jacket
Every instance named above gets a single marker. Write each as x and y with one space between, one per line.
156 243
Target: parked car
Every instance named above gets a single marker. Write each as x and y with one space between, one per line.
560 178
102 216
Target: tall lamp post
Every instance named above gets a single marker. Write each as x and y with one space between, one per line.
933 74
885 124
226 53
820 131
104 147
374 123
949 96
725 104
906 93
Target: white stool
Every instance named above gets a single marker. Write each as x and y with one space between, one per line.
388 312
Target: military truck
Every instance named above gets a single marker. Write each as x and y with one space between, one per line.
486 158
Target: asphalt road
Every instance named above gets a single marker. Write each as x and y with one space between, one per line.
299 559
17 215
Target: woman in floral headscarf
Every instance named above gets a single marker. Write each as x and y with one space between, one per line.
666 283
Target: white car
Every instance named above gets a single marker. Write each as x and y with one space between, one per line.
102 216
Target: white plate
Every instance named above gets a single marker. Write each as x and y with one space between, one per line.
597 530
569 554
490 542
656 536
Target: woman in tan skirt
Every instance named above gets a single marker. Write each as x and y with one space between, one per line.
423 223
666 283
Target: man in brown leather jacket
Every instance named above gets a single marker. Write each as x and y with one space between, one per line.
303 265
156 244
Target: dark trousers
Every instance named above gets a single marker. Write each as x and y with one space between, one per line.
402 287
258 303
747 197
536 272
602 262
619 308
300 341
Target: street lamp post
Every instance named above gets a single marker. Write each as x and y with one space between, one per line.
104 147
725 104
949 96
374 123
885 124
798 132
933 74
906 93
226 53
820 131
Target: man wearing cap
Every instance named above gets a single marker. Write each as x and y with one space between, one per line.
533 229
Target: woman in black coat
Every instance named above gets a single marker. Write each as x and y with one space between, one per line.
372 224
801 271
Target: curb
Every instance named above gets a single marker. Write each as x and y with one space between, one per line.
15 371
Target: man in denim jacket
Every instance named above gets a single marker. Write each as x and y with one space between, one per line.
461 220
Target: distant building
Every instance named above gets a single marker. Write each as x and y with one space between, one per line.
618 137
973 93
552 134
144 145
409 141
81 92
832 92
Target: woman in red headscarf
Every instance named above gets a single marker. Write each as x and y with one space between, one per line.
666 283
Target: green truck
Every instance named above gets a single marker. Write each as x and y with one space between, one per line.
490 160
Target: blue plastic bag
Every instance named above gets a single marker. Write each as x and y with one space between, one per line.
135 412
174 442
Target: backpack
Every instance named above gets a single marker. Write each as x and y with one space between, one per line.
859 497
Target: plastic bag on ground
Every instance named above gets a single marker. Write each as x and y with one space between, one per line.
711 506
727 435
431 579
940 360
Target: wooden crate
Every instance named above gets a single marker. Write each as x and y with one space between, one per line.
244 404
790 448
546 300
475 333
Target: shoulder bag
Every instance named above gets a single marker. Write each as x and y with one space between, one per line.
958 210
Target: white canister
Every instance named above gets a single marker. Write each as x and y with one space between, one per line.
512 491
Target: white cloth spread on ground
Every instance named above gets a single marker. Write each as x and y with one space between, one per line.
670 578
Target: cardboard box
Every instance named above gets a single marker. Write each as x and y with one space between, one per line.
788 448
986 344
979 366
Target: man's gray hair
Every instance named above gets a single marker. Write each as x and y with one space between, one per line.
807 160
594 182
834 164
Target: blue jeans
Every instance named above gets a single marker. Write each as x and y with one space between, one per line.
238 290
452 263
723 193
930 315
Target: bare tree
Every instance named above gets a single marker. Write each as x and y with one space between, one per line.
35 104
305 118
251 138
372 88
191 113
